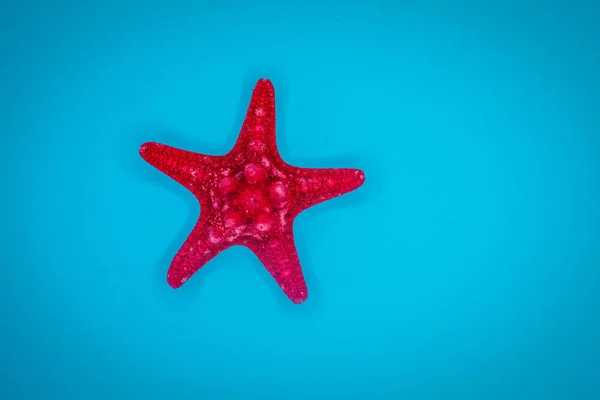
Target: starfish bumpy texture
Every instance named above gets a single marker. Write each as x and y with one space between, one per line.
249 197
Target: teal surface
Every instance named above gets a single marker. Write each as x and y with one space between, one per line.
466 267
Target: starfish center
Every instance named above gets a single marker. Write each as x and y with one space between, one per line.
252 198
250 201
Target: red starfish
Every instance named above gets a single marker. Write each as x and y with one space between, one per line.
249 197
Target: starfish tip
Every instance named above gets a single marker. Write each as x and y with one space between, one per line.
299 300
359 177
149 151
146 147
175 283
264 83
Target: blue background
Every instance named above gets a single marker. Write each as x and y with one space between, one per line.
466 267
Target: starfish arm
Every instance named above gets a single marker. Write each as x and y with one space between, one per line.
314 186
203 244
280 258
190 169
258 129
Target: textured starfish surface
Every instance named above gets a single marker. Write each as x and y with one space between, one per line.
249 197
